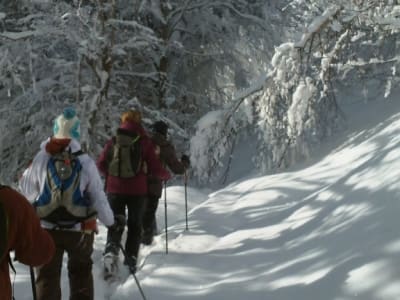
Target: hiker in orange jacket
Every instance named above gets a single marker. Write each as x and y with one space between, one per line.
20 231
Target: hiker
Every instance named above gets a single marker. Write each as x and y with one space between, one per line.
20 231
168 157
125 161
62 173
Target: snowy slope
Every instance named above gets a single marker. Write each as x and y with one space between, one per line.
327 230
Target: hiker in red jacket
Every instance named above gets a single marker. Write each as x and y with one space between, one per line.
20 232
125 161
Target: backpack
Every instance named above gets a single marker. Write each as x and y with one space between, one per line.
62 201
125 156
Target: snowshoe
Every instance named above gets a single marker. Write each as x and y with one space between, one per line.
110 271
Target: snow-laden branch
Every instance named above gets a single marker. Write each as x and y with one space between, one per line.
389 19
19 35
243 95
178 19
317 25
225 5
132 24
145 75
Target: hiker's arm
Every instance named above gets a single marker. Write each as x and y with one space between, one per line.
32 244
169 156
29 183
154 163
98 197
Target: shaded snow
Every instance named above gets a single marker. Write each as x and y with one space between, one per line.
326 231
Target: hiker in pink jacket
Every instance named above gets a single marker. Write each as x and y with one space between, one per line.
126 184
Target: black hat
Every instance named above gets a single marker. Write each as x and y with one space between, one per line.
160 127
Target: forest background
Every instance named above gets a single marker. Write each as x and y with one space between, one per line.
266 75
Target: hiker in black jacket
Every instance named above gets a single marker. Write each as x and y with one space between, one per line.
166 152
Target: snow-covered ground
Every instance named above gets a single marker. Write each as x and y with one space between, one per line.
325 230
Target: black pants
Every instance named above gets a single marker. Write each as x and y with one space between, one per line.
135 206
149 217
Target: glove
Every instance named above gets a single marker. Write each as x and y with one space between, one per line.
185 160
119 223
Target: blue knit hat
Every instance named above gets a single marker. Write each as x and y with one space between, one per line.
67 125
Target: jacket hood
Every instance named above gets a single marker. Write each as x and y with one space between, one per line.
133 127
53 145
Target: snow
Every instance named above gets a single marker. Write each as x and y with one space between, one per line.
317 24
207 126
325 230
19 35
298 109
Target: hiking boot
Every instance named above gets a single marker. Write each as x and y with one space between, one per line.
130 262
111 248
147 237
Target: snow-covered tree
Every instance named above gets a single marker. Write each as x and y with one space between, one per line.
174 59
222 71
297 106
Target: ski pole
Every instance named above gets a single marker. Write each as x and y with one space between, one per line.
33 283
133 274
166 217
186 204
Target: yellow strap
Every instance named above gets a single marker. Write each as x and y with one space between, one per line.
135 139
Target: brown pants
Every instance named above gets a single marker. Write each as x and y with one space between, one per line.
149 217
79 247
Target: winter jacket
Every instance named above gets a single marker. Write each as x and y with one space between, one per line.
168 158
137 185
32 245
33 180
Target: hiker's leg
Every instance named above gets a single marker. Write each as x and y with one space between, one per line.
117 204
136 207
80 266
48 276
149 215
149 220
